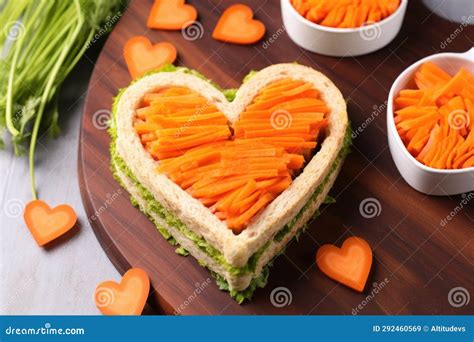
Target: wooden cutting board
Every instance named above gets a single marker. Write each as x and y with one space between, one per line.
417 260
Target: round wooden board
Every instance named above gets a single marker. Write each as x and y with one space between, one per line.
417 261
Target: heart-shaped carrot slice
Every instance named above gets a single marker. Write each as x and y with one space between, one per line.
127 298
141 56
171 15
236 25
46 224
349 265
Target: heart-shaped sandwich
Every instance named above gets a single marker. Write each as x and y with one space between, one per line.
231 176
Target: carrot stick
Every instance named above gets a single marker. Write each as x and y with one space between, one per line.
237 223
235 177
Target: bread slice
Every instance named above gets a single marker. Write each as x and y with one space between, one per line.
238 261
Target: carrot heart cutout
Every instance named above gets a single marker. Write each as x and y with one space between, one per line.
141 56
236 25
127 298
171 15
46 224
349 265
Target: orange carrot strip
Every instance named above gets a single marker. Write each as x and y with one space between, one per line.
236 224
217 189
241 206
279 187
455 84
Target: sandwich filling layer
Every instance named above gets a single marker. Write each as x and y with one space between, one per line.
235 169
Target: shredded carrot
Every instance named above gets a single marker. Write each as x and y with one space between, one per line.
237 223
345 13
234 174
436 120
238 207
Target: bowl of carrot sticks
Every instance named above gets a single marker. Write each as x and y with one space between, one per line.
343 28
430 124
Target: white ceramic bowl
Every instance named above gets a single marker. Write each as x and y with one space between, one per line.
341 42
460 11
423 178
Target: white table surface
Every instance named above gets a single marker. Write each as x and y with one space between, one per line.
60 279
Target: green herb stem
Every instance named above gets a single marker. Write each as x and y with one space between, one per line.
51 37
44 98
